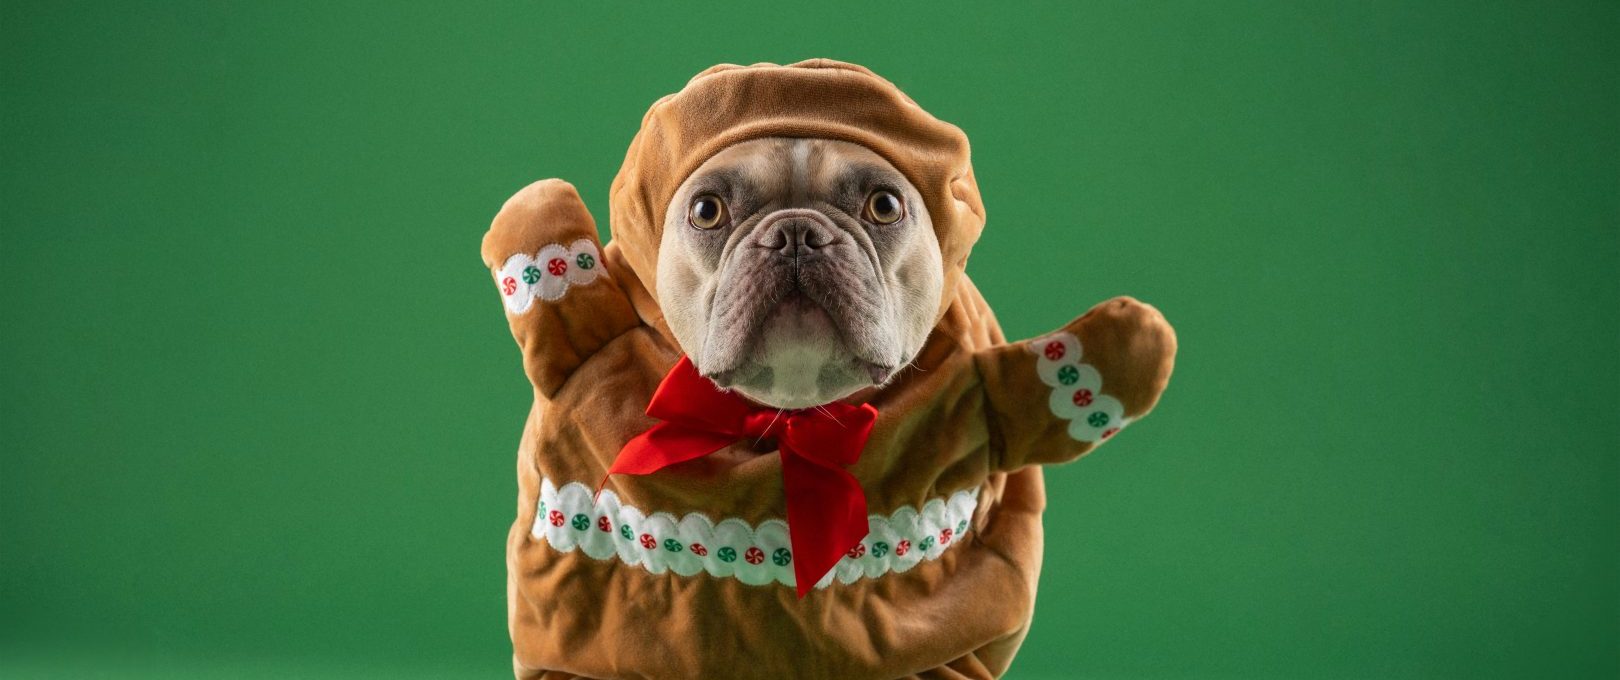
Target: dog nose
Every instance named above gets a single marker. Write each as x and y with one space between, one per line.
796 236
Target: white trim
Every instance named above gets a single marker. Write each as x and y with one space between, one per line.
547 274
1077 389
569 520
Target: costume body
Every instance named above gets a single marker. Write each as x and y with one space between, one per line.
686 573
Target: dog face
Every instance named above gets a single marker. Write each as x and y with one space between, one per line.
798 271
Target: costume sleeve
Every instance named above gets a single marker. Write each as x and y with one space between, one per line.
1055 398
560 300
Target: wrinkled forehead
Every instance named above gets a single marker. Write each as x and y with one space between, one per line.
783 166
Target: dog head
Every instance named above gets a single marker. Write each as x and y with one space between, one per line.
797 271
798 229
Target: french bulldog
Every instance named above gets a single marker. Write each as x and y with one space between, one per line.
799 271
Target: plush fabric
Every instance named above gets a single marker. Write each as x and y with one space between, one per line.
974 418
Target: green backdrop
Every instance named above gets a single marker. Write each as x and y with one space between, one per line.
260 408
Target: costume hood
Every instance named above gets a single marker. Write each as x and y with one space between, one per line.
728 104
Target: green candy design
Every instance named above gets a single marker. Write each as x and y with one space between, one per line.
624 530
581 522
927 542
879 549
1068 375
781 557
1097 419
531 274
961 527
726 554
585 261
672 545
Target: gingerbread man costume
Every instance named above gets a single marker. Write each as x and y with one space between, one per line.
689 571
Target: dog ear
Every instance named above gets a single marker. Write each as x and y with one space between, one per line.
560 299
1058 397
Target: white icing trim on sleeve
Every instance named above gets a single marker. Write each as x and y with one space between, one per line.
1077 389
547 274
607 529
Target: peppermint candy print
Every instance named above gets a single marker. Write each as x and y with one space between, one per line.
1054 350
732 548
1077 390
547 274
754 555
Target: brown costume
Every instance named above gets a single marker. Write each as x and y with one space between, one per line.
681 574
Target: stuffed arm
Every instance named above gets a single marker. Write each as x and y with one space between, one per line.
1055 398
547 265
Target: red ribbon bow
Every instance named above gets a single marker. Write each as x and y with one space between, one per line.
826 508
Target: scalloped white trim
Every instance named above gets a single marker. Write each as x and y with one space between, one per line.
1077 389
730 548
547 274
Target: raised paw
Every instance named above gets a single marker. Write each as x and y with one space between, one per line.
547 266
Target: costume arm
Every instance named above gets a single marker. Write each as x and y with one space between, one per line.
546 261
1055 398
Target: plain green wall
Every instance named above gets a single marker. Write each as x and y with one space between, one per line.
260 408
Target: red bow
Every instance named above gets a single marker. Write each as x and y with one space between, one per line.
826 508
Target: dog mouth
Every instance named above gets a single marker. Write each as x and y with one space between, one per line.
799 334
796 351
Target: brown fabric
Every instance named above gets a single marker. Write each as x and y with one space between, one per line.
972 412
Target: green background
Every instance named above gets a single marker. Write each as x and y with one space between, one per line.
260 408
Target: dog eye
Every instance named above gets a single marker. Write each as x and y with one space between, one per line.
707 212
884 207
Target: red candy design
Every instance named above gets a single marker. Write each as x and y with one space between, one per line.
648 542
901 548
945 535
557 266
698 549
508 286
1055 350
1109 432
556 518
858 551
754 556
1082 397
603 523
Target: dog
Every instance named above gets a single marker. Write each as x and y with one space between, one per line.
776 430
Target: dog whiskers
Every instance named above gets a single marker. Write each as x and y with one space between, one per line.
768 426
